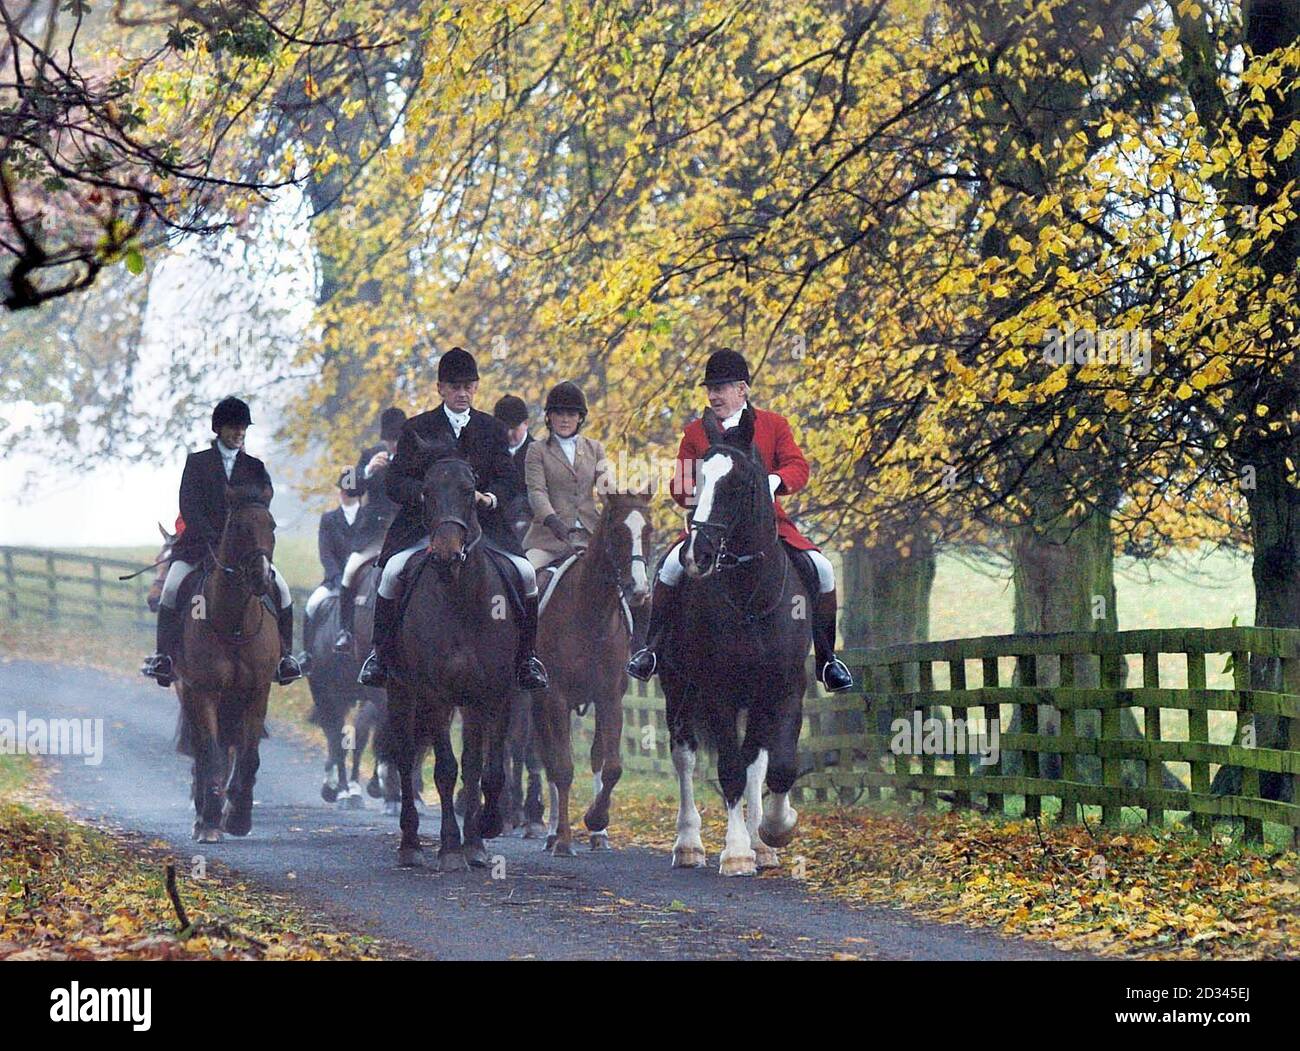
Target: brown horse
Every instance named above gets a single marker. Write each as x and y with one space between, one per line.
223 676
582 638
454 648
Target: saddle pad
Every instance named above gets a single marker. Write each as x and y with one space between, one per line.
558 570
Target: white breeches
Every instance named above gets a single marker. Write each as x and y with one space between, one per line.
317 597
671 571
358 558
179 570
389 588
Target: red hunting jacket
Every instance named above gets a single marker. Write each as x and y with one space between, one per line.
780 453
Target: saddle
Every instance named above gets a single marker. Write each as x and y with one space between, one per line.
548 579
410 576
805 567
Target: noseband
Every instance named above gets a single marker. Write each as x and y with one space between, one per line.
447 519
724 559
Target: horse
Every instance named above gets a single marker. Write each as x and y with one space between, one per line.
229 655
582 638
740 643
164 560
332 680
453 649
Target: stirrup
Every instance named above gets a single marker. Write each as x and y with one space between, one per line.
373 672
835 676
530 674
636 665
288 670
159 667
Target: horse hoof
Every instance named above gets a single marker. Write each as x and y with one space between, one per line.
689 858
765 857
775 838
208 835
392 808
452 861
534 830
238 824
737 865
409 858
600 841
551 837
374 789
477 857
563 848
328 792
354 800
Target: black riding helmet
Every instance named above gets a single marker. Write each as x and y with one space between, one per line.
511 410
567 396
228 411
391 421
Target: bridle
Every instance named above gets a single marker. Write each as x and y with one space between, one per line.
476 534
239 575
724 559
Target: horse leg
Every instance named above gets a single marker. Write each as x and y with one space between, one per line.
492 816
238 820
688 848
779 817
606 768
451 856
471 757
208 772
400 708
534 812
737 857
765 857
551 721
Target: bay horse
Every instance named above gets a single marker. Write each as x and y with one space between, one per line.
228 659
740 644
582 638
454 649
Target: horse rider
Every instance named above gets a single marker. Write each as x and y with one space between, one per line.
513 412
203 506
726 381
377 513
335 542
482 441
563 474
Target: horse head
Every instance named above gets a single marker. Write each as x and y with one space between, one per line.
627 532
248 539
447 499
154 596
733 504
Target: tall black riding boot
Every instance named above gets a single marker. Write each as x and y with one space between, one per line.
663 608
160 666
375 671
832 672
530 673
347 617
289 668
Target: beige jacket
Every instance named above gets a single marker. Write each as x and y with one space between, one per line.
556 487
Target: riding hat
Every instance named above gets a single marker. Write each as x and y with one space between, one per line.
230 410
511 410
457 366
725 366
566 397
390 424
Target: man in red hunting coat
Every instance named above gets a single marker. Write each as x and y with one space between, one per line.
726 379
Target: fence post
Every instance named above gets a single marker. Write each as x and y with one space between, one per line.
96 569
1151 730
1254 827
52 579
1112 766
1198 732
1029 725
11 584
1069 742
962 769
993 717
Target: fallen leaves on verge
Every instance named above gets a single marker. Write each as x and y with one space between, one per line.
1151 893
68 891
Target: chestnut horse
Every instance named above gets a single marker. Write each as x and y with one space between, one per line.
582 638
454 648
224 672
740 643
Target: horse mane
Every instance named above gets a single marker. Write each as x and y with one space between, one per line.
247 493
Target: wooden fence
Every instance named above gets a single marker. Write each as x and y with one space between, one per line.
61 586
